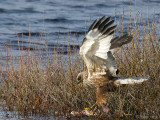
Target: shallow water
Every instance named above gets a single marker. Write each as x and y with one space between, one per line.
60 21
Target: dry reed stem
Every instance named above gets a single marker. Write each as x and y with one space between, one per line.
42 87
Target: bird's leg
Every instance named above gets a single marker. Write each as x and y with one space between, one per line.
91 110
94 107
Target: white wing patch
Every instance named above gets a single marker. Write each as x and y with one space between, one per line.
86 47
96 45
93 34
85 54
103 47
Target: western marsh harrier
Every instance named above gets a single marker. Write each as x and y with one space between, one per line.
97 52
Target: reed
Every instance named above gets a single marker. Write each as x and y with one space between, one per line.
35 85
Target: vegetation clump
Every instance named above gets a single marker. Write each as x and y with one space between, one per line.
34 85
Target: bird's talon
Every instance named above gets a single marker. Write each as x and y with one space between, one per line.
88 112
91 110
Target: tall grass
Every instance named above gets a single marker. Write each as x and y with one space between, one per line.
35 86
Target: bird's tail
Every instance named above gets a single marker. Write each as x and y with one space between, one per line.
134 80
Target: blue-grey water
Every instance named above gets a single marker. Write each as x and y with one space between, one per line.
58 21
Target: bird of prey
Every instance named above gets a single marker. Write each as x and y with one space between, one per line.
97 52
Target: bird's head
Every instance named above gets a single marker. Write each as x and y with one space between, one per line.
80 77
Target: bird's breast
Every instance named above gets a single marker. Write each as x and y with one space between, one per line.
97 78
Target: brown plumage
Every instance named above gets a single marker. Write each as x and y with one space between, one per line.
96 51
103 83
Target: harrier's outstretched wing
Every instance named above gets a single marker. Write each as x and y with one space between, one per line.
98 45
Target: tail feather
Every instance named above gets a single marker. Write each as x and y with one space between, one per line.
134 80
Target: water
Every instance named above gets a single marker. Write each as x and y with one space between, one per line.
60 21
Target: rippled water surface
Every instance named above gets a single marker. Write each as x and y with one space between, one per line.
52 21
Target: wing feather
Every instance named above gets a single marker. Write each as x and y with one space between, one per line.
101 26
106 26
103 46
119 41
97 46
99 22
93 24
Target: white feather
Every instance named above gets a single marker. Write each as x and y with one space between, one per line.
86 47
134 80
93 34
103 47
97 45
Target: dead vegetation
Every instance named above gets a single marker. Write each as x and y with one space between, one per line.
35 86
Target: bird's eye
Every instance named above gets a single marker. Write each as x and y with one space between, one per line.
117 72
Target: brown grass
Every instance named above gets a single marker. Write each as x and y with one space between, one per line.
35 86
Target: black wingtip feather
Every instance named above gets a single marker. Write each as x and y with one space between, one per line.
111 33
107 26
101 26
99 22
104 25
110 30
92 25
